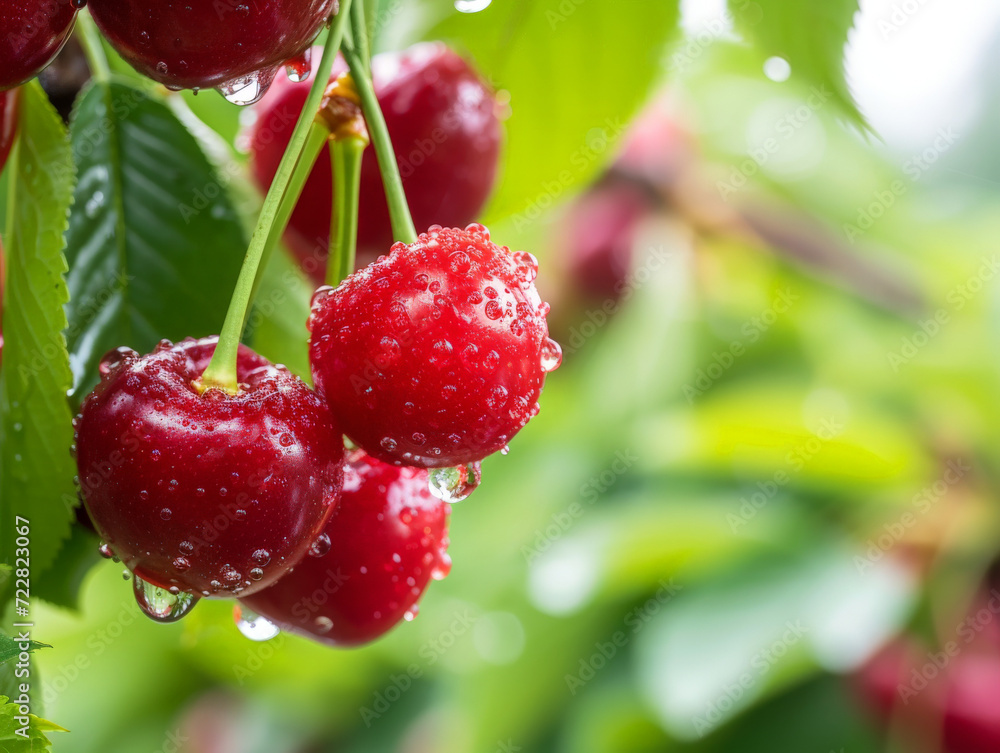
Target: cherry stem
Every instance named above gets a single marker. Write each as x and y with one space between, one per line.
345 159
221 371
319 134
399 211
358 36
93 48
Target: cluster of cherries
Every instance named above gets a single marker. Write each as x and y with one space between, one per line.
428 359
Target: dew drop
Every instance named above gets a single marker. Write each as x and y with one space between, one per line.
388 444
551 355
166 514
126 575
320 546
442 568
256 573
261 557
252 625
454 484
527 266
493 310
323 624
472 6
181 564
113 359
105 551
299 69
246 90
159 604
411 614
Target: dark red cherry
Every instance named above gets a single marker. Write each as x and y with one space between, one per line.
236 45
446 135
434 355
211 494
385 543
31 35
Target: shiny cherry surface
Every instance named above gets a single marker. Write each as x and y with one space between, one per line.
434 355
386 542
214 494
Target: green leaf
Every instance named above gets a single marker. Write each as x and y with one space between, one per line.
36 470
154 243
796 615
576 72
10 648
810 36
16 738
61 583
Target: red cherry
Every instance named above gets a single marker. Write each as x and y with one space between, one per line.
210 494
237 46
435 355
8 123
386 541
596 241
947 692
445 132
31 35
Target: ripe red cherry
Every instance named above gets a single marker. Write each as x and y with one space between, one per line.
386 541
211 494
434 355
232 44
445 132
8 124
31 35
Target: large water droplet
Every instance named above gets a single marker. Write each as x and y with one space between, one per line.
323 624
105 551
159 604
252 625
115 358
454 484
472 6
320 546
527 266
551 355
246 90
298 69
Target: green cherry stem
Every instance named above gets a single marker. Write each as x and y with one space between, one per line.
319 135
93 49
358 36
345 158
399 211
221 371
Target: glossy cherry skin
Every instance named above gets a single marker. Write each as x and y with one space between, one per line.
199 45
216 495
31 35
8 124
446 133
388 538
434 355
